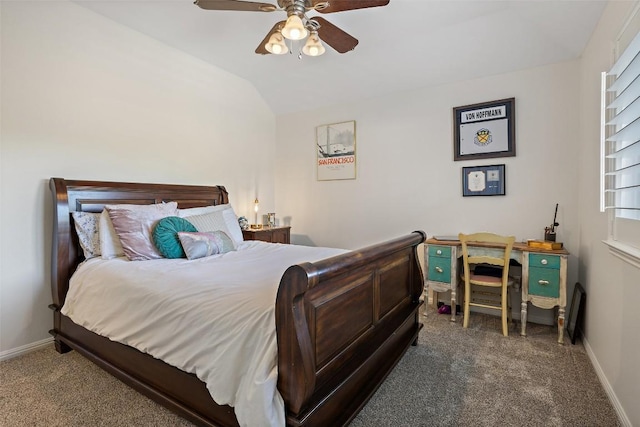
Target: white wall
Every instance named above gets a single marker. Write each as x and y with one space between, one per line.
612 286
406 176
84 98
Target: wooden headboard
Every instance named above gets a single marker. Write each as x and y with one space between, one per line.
91 196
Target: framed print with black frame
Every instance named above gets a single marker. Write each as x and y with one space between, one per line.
483 180
574 322
484 131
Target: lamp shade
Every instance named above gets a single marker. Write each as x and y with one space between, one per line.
276 44
314 46
294 29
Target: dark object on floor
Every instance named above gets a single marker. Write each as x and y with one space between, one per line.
446 309
576 313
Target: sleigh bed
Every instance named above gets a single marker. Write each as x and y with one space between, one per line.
342 323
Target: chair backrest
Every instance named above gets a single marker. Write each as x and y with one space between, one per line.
504 243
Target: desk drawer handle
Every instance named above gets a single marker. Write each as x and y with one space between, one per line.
439 252
543 282
544 262
439 270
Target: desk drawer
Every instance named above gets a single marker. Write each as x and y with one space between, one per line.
544 282
439 269
544 261
440 251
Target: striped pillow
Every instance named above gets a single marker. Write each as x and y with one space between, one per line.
223 220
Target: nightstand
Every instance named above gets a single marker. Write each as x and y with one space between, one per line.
268 234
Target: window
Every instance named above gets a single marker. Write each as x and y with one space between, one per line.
620 149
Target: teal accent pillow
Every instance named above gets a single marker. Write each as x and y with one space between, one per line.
165 236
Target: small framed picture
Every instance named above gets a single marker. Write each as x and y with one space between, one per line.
485 131
483 180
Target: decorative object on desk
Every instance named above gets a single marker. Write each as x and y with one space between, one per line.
336 151
550 232
271 219
483 180
244 223
544 244
576 312
256 225
484 131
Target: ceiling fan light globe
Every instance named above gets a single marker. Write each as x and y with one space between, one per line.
294 29
276 45
313 47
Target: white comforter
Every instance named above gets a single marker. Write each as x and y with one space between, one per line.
214 317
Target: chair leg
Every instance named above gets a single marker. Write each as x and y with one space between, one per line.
467 297
505 327
509 314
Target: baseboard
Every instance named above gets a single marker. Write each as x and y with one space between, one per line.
622 416
19 351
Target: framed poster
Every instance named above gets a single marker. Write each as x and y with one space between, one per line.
484 131
336 151
483 181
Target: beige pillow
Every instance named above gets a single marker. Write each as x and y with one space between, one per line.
134 224
110 246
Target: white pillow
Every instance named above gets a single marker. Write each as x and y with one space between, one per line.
183 213
88 231
231 219
110 246
221 220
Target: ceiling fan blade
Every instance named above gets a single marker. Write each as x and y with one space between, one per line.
342 5
246 6
263 50
334 36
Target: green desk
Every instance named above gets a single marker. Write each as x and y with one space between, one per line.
544 275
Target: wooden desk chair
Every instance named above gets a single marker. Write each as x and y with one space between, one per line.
470 278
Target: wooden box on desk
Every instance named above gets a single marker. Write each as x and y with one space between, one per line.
544 244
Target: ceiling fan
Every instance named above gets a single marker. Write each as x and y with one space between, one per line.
298 26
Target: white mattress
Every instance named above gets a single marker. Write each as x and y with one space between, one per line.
214 317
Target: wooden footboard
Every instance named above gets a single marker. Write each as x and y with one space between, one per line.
343 324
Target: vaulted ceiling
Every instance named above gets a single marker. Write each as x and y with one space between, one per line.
404 45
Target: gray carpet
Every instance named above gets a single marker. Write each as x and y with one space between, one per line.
454 377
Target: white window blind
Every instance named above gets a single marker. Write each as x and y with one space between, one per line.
620 149
622 143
